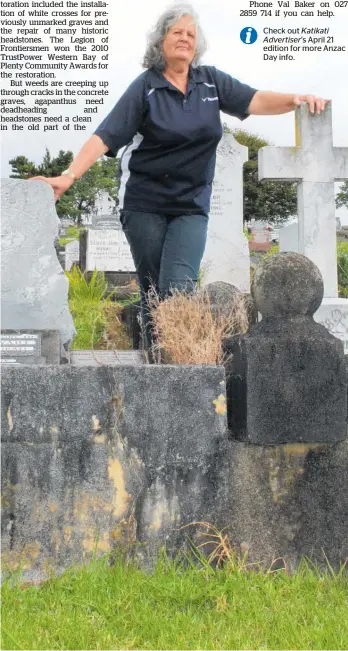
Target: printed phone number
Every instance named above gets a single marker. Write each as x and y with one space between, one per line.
338 4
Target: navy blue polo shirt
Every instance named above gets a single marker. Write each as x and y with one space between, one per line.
171 138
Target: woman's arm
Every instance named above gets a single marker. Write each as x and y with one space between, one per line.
87 156
265 102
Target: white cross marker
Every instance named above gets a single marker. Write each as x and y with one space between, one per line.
316 165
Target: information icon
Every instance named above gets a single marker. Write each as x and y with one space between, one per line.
248 35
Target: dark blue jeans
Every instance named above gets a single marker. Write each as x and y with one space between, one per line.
167 252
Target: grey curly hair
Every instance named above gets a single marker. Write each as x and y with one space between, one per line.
154 55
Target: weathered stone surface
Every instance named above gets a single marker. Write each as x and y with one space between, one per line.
282 503
286 379
224 300
333 314
226 257
93 457
222 294
34 286
287 284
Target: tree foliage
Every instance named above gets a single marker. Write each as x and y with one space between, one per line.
270 201
80 198
342 196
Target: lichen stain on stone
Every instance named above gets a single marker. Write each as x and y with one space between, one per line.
86 504
96 424
9 419
220 405
53 506
56 541
159 514
286 464
67 535
94 543
297 130
22 560
163 510
125 531
302 449
121 498
99 438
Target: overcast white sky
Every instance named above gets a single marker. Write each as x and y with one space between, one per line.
322 74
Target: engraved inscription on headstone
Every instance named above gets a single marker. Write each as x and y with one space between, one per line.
20 344
108 251
30 346
226 257
106 357
21 348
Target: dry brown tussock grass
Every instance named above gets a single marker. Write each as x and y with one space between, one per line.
187 331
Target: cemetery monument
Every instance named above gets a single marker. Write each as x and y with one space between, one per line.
226 257
315 164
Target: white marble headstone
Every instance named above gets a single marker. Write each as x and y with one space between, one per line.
34 287
104 204
260 234
72 254
108 250
226 257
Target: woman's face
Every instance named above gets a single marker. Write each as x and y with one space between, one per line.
179 43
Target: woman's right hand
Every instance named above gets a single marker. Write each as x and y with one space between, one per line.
60 184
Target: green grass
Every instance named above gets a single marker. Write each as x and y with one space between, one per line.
120 607
72 233
342 268
95 315
87 302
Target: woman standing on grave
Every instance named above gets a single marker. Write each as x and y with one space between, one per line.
169 121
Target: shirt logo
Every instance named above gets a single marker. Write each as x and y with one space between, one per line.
209 99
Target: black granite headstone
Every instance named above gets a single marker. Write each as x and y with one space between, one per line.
30 347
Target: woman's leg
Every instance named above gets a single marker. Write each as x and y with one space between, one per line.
182 253
146 234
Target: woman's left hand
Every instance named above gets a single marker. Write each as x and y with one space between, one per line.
315 104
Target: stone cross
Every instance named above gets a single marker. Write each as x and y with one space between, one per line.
315 164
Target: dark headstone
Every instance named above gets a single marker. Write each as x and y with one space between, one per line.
223 299
30 346
286 378
30 360
130 317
